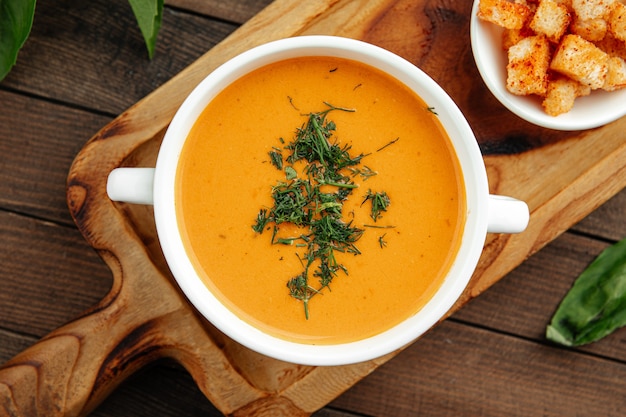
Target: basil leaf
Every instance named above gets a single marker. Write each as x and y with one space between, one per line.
148 14
595 306
16 20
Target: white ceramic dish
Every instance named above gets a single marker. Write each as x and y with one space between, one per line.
597 109
485 213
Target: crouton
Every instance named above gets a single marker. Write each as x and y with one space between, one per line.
616 75
581 60
561 94
566 3
504 13
527 68
617 21
591 9
612 46
512 36
593 30
550 19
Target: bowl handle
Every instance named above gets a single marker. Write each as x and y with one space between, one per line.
131 185
507 215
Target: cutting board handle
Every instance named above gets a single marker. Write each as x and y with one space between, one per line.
71 370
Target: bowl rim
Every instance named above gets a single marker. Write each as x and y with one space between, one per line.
212 309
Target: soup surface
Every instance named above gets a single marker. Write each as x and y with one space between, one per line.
226 175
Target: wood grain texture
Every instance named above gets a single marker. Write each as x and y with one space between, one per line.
103 44
607 221
238 381
39 189
472 392
30 256
539 285
233 11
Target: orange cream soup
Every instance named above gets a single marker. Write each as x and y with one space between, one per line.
225 177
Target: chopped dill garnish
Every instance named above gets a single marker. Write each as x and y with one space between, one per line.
365 172
276 158
432 110
290 173
261 221
299 200
375 226
380 202
388 144
292 105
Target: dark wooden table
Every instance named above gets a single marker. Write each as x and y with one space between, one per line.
84 64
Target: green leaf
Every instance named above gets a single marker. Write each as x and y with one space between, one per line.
16 20
595 306
148 14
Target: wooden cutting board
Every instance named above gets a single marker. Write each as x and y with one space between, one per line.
562 175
